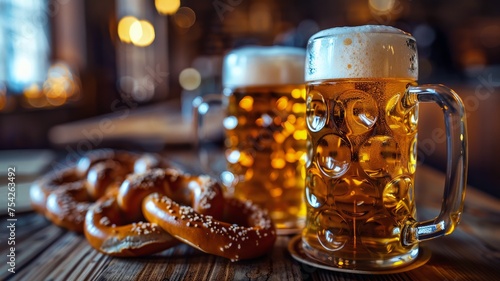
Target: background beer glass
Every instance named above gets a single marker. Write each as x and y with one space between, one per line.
265 130
362 111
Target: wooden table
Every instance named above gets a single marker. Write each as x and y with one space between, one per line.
46 252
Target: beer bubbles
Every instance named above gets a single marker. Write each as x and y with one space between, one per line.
265 130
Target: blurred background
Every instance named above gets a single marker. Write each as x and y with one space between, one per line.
77 75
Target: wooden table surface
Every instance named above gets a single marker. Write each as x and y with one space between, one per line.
46 252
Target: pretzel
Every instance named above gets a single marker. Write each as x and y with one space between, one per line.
67 206
129 190
248 232
40 189
64 196
127 159
109 233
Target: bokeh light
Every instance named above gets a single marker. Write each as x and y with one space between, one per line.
382 6
246 103
167 7
33 95
185 17
142 33
61 86
138 32
124 28
190 79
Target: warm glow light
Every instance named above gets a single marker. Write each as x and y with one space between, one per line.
246 159
167 7
56 97
189 79
33 95
278 160
185 17
278 138
32 92
124 28
382 6
56 90
282 103
135 32
296 93
3 97
298 108
300 135
61 86
247 104
59 83
142 33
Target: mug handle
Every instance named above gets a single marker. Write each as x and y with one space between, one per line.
201 106
456 170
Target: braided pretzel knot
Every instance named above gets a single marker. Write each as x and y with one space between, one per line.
114 223
64 196
250 234
109 232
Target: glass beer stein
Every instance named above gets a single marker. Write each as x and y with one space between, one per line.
362 112
265 130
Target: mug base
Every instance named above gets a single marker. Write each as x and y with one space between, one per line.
299 253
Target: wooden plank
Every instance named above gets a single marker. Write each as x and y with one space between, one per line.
55 261
47 252
30 243
91 268
70 258
186 263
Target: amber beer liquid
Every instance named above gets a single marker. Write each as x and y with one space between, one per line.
363 165
361 116
266 131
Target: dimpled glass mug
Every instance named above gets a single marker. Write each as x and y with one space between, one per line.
265 130
362 111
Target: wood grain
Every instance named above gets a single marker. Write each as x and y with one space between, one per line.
47 252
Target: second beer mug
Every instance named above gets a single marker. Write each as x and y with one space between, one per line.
265 130
362 111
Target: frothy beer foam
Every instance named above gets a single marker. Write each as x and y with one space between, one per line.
259 66
370 51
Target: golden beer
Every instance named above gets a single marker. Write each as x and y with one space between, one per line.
361 115
359 182
266 131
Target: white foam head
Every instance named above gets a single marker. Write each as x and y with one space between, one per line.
369 51
259 66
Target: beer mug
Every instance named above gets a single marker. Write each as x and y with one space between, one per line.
265 130
362 112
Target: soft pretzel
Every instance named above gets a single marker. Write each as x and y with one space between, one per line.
125 158
135 162
41 188
130 188
201 192
66 207
246 232
109 233
107 230
64 196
